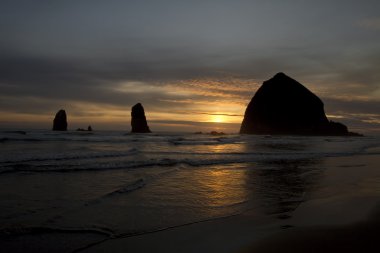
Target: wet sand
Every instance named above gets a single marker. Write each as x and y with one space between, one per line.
247 233
358 237
342 215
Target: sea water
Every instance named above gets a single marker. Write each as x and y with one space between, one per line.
119 183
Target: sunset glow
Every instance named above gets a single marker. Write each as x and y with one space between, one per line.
186 72
189 126
218 118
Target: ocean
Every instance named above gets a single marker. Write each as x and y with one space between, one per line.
120 184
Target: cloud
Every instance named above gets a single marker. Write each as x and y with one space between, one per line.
339 106
200 57
370 23
359 115
41 85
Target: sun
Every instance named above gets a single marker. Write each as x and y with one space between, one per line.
218 118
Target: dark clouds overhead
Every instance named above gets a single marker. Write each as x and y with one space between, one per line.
84 51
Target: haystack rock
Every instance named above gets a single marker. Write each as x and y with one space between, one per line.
139 123
284 106
60 121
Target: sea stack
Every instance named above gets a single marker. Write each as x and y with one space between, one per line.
60 121
138 122
284 106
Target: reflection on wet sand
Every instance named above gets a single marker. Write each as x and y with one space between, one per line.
223 186
280 185
283 185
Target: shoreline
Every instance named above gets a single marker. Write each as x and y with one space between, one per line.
334 218
340 214
247 232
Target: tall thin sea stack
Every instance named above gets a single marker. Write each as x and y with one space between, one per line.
60 121
284 106
138 122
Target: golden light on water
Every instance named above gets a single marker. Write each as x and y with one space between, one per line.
223 186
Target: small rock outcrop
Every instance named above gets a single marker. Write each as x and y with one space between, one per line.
89 129
138 122
60 121
284 106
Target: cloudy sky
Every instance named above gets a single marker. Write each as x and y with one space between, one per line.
194 65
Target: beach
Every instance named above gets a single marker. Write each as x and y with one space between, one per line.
338 218
111 192
189 126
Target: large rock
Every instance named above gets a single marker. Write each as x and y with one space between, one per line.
138 122
284 106
60 121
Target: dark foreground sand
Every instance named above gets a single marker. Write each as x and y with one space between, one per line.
345 220
359 237
341 215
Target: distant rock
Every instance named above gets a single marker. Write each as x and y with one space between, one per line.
60 121
216 133
284 106
138 122
89 129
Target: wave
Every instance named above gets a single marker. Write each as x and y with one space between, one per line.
131 187
14 132
8 139
176 140
140 183
193 153
14 168
173 151
204 141
194 161
16 231
239 204
65 157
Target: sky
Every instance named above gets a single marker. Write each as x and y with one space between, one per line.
194 65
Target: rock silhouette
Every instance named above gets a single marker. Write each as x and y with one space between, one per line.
284 106
89 129
60 121
138 122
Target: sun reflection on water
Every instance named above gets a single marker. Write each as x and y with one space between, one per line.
222 186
